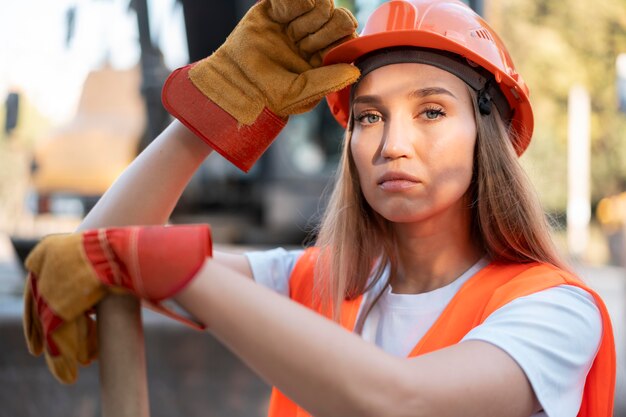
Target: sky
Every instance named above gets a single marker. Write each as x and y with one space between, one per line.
35 60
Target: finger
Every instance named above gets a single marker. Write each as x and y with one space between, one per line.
311 21
310 87
35 257
64 369
48 247
284 11
64 363
340 25
87 340
31 324
317 59
68 282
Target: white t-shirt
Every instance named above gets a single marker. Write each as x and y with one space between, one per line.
553 334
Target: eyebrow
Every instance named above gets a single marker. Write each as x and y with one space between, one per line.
419 93
430 91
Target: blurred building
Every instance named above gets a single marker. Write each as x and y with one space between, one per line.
76 162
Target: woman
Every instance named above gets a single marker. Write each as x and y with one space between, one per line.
433 251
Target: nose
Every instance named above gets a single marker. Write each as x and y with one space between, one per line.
397 141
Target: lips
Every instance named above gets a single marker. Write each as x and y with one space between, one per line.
397 181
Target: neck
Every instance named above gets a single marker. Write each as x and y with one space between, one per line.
433 253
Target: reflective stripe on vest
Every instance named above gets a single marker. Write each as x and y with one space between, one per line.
489 289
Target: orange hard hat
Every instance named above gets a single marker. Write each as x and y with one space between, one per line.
447 28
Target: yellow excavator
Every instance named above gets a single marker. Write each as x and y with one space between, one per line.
82 158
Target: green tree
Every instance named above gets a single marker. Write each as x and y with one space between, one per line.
555 44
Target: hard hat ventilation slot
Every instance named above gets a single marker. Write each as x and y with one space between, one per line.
482 34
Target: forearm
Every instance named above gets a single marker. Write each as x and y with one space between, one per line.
148 190
326 369
332 372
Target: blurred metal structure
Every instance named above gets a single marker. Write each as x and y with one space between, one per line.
579 170
620 66
12 110
154 72
478 6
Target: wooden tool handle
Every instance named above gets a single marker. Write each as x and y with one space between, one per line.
123 382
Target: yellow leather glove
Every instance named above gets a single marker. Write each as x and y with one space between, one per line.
239 98
56 307
69 274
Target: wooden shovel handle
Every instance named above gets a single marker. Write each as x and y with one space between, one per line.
123 382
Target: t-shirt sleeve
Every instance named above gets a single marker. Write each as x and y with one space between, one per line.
272 268
554 336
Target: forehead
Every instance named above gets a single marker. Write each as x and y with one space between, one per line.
406 77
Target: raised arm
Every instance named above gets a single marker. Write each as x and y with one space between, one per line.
236 100
148 190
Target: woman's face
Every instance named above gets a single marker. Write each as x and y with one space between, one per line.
413 141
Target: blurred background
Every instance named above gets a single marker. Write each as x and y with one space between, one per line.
80 84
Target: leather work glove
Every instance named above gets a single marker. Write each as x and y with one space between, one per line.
239 98
70 274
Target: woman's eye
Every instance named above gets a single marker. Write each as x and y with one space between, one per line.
372 118
432 114
369 118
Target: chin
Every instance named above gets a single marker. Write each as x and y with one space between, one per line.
402 215
404 219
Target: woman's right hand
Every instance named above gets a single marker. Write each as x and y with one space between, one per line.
69 274
238 99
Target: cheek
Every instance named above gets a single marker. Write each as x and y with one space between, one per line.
362 158
453 162
455 143
462 141
361 155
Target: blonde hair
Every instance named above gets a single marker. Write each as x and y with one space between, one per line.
356 243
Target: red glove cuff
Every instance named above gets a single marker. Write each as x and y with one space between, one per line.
241 144
152 262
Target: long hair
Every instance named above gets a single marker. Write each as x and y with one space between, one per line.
507 221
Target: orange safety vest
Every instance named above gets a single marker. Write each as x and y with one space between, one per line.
491 288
